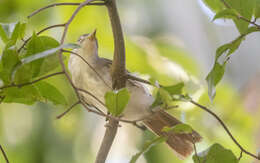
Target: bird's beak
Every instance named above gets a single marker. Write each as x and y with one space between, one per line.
92 35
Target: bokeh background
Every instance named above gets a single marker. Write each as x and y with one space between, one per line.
169 40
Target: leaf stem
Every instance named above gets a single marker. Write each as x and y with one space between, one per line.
4 154
32 82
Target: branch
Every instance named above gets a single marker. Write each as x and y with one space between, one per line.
225 127
118 77
87 92
118 65
68 110
60 4
111 130
41 31
4 154
240 16
32 82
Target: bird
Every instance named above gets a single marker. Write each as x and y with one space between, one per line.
94 75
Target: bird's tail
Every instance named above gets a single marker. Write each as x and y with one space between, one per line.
182 144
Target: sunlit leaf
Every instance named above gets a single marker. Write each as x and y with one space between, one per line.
214 5
245 9
18 32
49 92
215 154
174 89
9 60
213 78
179 129
45 53
10 33
227 13
25 95
116 101
3 35
147 146
257 9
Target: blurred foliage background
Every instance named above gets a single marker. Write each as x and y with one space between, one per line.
168 40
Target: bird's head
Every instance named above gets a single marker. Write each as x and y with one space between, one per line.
89 43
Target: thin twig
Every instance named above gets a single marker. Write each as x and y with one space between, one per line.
32 82
224 126
41 31
68 110
91 67
4 154
195 149
240 156
62 42
240 16
89 93
60 4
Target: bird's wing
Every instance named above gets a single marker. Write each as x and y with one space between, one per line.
108 63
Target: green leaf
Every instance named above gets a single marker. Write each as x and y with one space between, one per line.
9 60
257 9
251 30
3 35
49 92
147 146
179 129
216 154
45 53
157 101
36 45
214 5
9 33
116 101
174 89
165 96
18 32
226 13
214 77
26 95
244 8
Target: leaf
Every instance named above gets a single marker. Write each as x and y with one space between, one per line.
116 101
226 13
49 92
213 78
36 45
257 9
147 146
244 8
179 129
9 60
9 33
164 95
26 95
251 30
174 89
45 53
214 5
18 32
3 35
215 154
